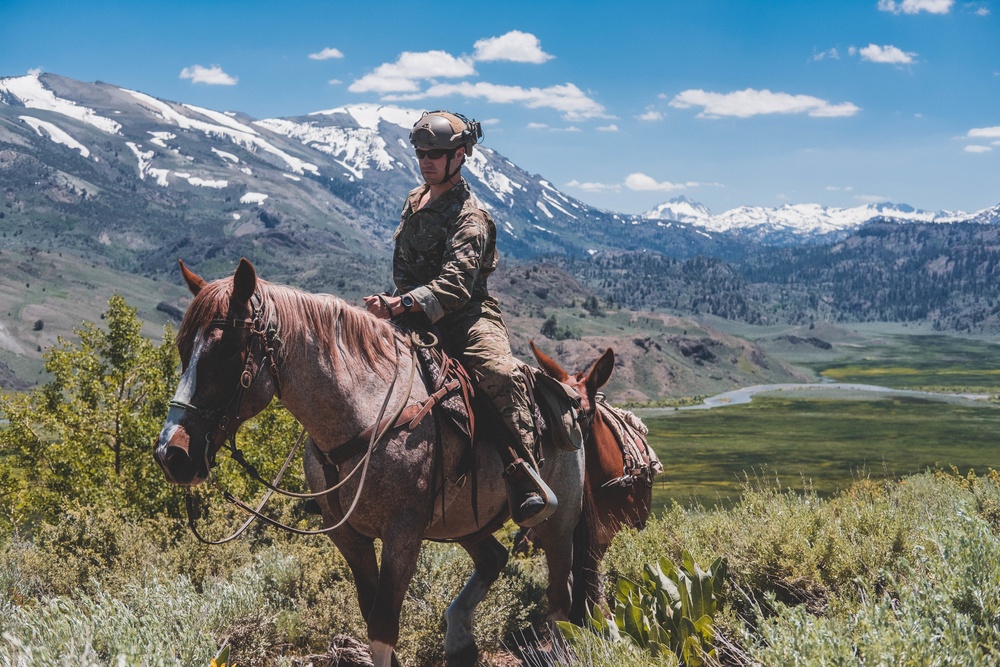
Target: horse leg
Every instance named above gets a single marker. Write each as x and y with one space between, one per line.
489 557
399 562
359 552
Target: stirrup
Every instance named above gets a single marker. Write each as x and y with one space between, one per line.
523 482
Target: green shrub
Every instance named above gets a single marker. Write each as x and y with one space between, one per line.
671 610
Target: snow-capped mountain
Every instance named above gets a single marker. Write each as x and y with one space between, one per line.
803 222
681 209
146 180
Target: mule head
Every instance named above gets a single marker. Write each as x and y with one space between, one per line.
586 383
223 344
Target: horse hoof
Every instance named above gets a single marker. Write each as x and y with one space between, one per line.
467 656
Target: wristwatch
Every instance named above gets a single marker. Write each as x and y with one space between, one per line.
407 302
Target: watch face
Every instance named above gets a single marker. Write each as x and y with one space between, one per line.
407 301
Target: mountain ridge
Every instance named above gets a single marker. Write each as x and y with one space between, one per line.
805 223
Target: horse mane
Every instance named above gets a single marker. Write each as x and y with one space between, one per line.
340 328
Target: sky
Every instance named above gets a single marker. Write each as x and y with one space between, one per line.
623 105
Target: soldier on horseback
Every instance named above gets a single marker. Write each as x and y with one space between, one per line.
445 251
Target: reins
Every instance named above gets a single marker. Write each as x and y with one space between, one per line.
255 324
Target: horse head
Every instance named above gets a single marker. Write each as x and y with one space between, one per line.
225 342
586 382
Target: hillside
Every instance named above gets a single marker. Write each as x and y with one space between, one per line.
942 275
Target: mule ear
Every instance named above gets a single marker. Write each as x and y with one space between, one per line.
193 280
600 372
244 282
548 366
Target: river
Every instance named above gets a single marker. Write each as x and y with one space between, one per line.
746 394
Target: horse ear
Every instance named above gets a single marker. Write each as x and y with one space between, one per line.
548 366
193 280
244 282
600 372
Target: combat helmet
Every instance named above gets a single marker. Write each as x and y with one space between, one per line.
447 130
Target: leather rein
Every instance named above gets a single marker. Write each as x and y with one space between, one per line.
264 338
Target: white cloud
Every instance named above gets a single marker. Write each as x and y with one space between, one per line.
982 11
35 71
750 102
515 46
335 82
977 149
593 187
984 133
411 67
608 128
916 6
886 54
641 182
211 76
537 126
327 54
832 54
872 199
567 99
652 115
638 182
840 188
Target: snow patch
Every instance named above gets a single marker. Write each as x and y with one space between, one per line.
144 157
161 138
540 204
356 149
226 156
32 94
161 176
203 183
56 134
236 132
222 119
253 198
368 116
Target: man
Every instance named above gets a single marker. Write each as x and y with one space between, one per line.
445 251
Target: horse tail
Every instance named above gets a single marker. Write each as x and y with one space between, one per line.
587 555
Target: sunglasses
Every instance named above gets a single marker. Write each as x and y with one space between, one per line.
434 153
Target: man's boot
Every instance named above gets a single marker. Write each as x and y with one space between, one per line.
531 500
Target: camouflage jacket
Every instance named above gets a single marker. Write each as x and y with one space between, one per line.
444 254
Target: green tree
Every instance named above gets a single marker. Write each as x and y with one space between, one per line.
85 437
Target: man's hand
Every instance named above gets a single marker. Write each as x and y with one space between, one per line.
382 306
385 307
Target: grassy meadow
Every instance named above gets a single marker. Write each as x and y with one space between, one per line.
824 441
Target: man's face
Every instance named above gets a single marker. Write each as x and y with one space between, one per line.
434 163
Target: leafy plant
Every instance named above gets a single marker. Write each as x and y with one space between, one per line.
671 610
222 658
84 437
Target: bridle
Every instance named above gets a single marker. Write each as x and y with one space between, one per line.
264 344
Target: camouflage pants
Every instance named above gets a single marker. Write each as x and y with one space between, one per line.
482 344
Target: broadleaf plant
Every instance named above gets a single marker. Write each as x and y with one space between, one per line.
670 610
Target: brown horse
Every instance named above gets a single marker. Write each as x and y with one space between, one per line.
338 369
617 498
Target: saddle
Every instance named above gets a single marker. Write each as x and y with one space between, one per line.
451 399
639 461
555 406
